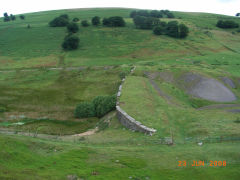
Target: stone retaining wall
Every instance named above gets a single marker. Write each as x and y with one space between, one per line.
127 120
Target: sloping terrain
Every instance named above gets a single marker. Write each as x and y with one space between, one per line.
187 89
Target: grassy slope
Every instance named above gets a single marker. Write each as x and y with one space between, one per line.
124 45
107 155
55 94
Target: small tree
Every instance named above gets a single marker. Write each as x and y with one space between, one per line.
158 30
115 21
85 23
12 17
84 110
75 19
183 31
60 21
95 20
72 27
6 17
70 42
104 104
22 17
172 29
105 21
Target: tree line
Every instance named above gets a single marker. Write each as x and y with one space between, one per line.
71 41
11 17
153 13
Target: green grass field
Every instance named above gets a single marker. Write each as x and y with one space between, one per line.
40 86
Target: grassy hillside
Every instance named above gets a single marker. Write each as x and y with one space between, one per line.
124 45
40 86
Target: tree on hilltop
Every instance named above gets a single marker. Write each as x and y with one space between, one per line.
95 20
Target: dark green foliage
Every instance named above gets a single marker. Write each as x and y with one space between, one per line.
158 30
60 21
227 24
28 26
12 17
153 13
6 17
115 21
22 17
105 21
72 27
172 29
104 104
142 22
238 14
84 110
156 14
70 42
183 31
133 14
64 16
95 20
85 23
75 19
100 106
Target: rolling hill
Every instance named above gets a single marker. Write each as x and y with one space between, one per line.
179 87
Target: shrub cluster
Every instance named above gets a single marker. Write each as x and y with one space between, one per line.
72 27
153 13
115 21
142 22
8 18
61 21
227 24
172 29
70 42
100 106
96 21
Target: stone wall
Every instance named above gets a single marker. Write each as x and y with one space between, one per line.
127 120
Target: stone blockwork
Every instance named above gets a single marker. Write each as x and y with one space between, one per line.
131 123
127 120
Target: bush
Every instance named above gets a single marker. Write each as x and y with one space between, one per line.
84 110
70 43
85 23
12 17
153 13
183 31
104 104
158 30
6 17
227 24
142 22
172 29
105 21
75 19
115 21
96 21
22 17
60 21
72 27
